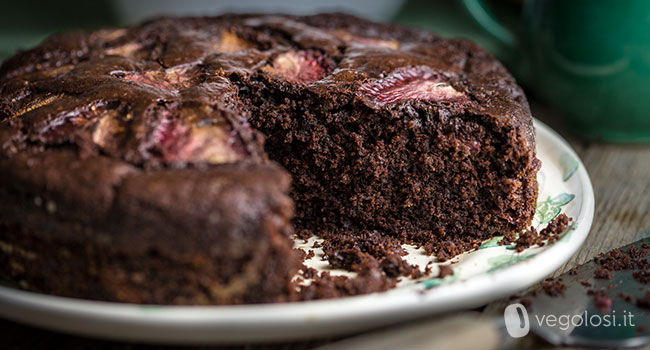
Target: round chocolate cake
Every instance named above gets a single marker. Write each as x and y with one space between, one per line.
171 162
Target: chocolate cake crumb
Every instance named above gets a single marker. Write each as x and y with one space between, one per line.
304 235
325 286
444 271
585 283
308 272
554 228
602 273
428 270
301 253
626 297
310 254
531 237
395 266
447 250
642 276
631 258
644 301
508 238
528 239
553 288
354 253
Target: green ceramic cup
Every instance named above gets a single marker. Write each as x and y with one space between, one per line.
590 59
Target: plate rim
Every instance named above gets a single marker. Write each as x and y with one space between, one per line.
295 320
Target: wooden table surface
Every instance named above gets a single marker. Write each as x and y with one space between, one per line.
621 178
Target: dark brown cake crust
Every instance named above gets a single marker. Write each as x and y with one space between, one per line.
134 157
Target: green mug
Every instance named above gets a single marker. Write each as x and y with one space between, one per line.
590 59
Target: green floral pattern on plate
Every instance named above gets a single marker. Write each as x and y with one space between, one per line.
492 242
505 260
569 166
434 282
550 208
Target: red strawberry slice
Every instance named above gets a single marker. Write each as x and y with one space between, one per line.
300 66
66 125
153 78
177 142
169 137
409 84
170 79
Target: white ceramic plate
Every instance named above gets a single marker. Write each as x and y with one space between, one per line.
489 273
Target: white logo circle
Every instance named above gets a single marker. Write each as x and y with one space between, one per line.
516 319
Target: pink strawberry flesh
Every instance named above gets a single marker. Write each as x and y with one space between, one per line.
214 144
409 84
174 78
299 66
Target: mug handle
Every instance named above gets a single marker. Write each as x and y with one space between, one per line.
484 18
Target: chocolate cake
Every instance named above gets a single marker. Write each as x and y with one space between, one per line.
170 162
